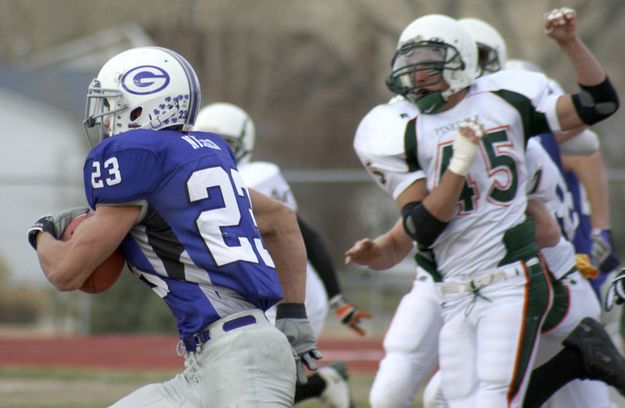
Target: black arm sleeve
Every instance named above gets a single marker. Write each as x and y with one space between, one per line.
420 225
595 103
320 259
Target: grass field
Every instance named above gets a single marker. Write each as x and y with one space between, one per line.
83 388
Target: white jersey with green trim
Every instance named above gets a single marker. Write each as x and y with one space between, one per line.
398 146
548 185
266 178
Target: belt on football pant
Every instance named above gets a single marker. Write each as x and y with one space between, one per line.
475 284
193 343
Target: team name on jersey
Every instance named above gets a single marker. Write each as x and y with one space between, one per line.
199 143
441 130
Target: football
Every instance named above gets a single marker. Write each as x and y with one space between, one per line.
105 275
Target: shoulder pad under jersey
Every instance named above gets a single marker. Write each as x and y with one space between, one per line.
530 84
555 87
381 131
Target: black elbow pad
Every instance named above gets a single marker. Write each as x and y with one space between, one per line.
595 103
420 225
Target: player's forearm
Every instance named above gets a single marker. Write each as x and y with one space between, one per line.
592 174
547 229
50 253
286 247
395 245
588 70
319 257
62 263
443 200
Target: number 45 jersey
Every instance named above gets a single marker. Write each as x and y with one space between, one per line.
398 146
196 242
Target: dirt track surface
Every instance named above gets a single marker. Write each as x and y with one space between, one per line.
151 352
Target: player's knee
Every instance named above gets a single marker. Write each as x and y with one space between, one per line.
412 345
397 381
433 394
390 396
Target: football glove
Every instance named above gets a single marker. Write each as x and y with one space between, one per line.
616 291
292 321
602 251
54 224
349 314
585 267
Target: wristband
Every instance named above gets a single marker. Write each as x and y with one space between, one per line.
43 224
291 311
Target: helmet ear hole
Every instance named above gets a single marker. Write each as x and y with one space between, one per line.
134 115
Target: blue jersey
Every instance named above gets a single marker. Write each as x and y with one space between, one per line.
197 244
582 234
581 239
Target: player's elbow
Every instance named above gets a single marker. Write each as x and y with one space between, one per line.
62 280
282 221
289 223
597 102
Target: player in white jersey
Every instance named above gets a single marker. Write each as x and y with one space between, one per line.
322 286
548 186
410 352
472 216
410 343
583 149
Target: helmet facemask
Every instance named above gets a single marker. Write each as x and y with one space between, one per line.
237 143
488 59
491 46
437 60
97 108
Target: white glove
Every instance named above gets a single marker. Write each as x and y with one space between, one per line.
466 144
292 321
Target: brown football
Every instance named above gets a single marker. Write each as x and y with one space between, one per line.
105 275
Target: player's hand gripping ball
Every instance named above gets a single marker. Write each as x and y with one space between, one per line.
105 275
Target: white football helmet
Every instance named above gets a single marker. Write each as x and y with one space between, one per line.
437 44
491 46
145 87
233 124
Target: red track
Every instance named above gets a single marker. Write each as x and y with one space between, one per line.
151 352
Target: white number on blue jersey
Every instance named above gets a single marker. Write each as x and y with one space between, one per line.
111 174
210 222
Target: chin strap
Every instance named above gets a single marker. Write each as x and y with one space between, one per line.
431 103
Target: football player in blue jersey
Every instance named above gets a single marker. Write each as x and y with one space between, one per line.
323 290
219 254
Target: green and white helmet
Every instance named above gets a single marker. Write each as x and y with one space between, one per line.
437 44
491 46
233 124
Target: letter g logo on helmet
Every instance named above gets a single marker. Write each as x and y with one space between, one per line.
145 79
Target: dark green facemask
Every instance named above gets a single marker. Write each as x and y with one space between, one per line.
430 103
